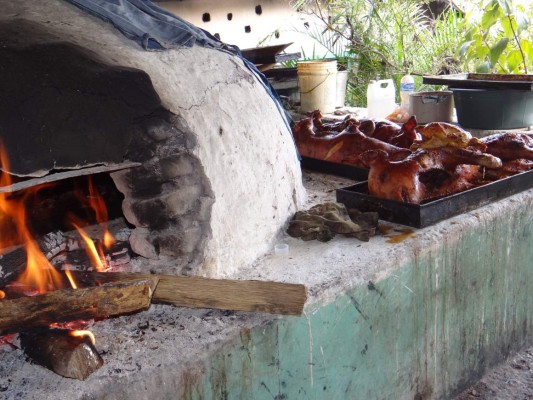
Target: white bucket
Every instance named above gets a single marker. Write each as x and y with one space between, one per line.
318 85
381 98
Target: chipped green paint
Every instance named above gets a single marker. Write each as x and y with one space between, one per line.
423 332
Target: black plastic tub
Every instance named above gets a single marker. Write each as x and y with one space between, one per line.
493 109
422 215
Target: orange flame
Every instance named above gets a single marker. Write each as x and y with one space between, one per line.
14 229
96 202
88 334
2 294
38 273
71 279
95 250
96 256
109 240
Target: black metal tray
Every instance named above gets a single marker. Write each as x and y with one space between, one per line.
422 215
327 167
482 81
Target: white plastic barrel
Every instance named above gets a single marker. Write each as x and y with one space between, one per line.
381 98
318 85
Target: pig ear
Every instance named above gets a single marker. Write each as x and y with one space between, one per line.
411 124
369 157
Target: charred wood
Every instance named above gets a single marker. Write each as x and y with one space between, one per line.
110 299
13 261
78 259
58 350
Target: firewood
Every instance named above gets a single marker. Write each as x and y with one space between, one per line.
223 294
13 260
64 305
59 351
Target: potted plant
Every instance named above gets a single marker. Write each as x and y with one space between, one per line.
499 47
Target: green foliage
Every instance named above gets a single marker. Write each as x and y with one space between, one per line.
383 39
500 41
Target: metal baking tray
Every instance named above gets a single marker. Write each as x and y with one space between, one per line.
337 169
422 215
482 81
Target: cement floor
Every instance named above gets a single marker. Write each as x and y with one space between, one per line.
512 380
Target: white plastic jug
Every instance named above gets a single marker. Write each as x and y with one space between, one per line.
380 98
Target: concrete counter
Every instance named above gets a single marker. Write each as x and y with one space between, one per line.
418 319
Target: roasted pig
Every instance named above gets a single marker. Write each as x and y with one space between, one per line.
515 150
427 173
328 142
392 133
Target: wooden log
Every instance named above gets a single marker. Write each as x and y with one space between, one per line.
13 260
59 351
64 305
223 294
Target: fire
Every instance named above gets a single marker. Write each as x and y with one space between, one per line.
87 334
39 274
96 255
71 279
97 204
95 251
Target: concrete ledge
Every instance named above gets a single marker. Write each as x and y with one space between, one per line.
419 319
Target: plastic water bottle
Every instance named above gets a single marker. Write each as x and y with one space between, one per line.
380 98
407 86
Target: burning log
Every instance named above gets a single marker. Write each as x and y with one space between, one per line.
13 261
62 352
222 294
64 305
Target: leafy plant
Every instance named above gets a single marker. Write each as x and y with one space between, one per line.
384 39
500 40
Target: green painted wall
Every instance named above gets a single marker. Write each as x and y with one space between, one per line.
423 332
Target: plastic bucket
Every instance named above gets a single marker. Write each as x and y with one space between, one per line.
318 85
493 109
431 106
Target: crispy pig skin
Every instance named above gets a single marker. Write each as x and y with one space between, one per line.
340 146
